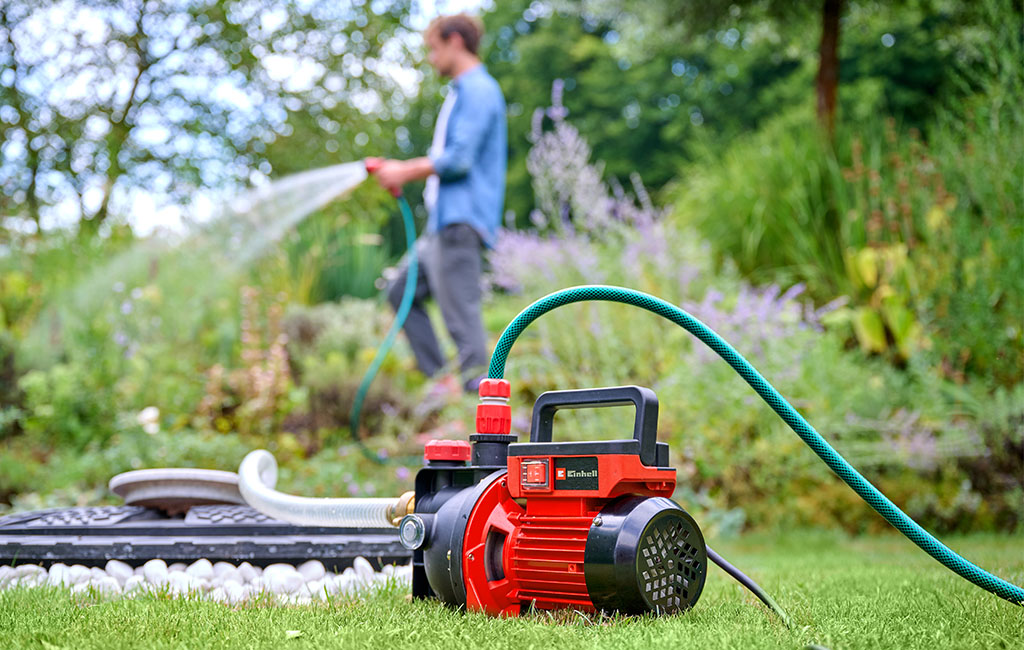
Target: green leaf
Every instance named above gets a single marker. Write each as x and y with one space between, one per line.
870 330
867 268
903 326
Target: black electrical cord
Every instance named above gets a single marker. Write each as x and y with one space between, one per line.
754 588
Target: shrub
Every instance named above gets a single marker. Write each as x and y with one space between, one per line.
331 346
922 232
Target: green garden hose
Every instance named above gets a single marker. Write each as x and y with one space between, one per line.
899 519
403 312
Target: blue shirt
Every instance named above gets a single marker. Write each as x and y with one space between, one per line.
471 167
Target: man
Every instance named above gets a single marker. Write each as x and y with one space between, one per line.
464 195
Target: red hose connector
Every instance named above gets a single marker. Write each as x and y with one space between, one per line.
493 413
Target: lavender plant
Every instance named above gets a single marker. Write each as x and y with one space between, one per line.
576 208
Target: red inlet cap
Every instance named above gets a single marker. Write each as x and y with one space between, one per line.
450 450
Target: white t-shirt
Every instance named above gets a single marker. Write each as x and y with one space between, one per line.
430 192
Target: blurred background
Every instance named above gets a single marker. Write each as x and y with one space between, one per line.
834 186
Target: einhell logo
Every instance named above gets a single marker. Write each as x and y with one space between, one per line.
576 473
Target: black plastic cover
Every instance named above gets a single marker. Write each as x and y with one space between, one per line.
644 554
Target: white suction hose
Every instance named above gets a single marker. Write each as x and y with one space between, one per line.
257 476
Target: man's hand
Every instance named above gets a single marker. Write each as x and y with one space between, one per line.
393 174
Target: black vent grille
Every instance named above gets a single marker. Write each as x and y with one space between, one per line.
670 565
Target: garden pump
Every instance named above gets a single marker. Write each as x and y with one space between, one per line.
589 524
503 527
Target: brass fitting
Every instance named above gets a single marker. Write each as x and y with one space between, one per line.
405 505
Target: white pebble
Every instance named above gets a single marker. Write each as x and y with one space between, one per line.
60 575
119 570
27 570
312 570
235 593
30 575
79 574
225 576
346 583
363 568
134 583
107 585
282 579
201 569
323 593
97 573
6 575
223 569
313 586
247 572
179 583
155 572
177 566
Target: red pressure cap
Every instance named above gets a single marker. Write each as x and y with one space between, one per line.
447 450
372 164
495 388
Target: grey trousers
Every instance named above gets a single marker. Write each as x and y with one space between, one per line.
449 270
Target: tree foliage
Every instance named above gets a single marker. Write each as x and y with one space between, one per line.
653 85
109 106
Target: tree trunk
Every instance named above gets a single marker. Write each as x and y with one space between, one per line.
827 81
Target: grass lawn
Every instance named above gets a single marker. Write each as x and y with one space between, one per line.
843 593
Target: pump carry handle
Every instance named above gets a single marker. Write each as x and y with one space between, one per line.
645 428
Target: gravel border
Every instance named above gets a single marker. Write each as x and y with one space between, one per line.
222 582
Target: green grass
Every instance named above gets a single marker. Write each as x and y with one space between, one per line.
842 593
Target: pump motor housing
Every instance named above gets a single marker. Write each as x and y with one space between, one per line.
505 527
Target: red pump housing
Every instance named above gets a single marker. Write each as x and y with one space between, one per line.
587 525
543 545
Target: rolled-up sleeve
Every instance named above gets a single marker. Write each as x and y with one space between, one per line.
472 117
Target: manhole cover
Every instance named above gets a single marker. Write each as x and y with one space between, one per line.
176 489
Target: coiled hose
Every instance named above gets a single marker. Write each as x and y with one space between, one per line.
889 511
